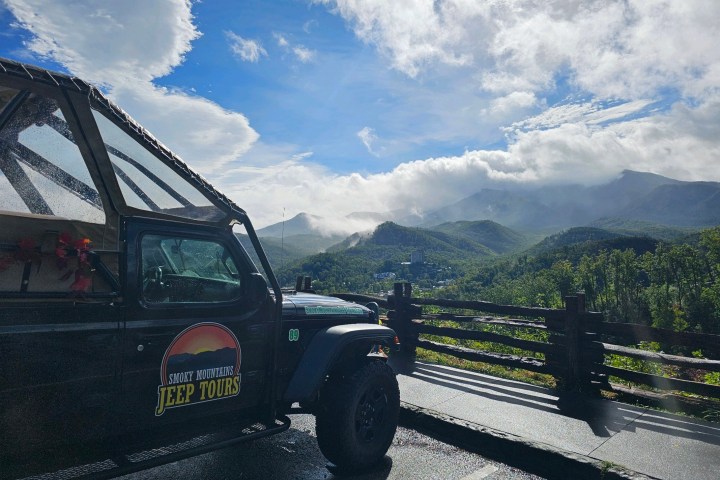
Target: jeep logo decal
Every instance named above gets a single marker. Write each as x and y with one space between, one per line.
201 364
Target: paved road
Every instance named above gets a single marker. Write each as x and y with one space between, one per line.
294 455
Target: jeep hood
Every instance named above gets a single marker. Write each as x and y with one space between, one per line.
299 304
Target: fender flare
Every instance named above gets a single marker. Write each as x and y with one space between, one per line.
325 348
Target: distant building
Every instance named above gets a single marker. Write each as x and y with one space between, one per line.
416 257
384 275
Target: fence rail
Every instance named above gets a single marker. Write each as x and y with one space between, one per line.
576 352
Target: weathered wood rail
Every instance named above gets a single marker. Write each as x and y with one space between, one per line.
577 347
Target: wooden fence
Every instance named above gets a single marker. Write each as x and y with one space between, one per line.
577 343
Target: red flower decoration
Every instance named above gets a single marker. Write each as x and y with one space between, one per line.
26 251
68 247
82 283
82 244
65 238
26 244
6 262
64 251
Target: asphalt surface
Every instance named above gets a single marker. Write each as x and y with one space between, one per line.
485 421
294 455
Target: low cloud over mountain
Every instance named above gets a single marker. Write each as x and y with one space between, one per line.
635 196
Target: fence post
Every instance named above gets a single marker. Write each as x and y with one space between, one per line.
572 342
592 353
400 320
576 378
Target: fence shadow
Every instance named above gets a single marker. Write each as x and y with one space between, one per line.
604 417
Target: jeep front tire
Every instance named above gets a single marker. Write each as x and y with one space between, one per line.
358 416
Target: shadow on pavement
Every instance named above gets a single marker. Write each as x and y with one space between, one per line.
604 417
471 386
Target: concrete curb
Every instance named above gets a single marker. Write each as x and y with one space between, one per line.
534 457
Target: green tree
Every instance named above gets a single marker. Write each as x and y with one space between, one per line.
593 277
624 275
563 276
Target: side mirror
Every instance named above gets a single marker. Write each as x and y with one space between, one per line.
257 289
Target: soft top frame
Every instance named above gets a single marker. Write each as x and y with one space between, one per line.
66 82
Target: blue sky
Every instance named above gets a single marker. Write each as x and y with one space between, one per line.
337 106
291 100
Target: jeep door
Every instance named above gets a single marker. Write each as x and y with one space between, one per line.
196 339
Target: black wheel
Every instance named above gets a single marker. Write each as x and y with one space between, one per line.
357 417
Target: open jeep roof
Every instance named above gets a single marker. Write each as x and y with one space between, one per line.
76 161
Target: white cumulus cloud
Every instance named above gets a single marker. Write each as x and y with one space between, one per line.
367 137
281 40
572 152
413 34
124 46
303 54
614 48
246 49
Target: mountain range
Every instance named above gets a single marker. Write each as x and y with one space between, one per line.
635 203
635 196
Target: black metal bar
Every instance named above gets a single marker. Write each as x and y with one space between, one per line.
134 187
57 174
21 183
60 126
52 78
124 466
143 136
18 69
167 188
27 72
277 323
12 107
25 277
62 295
104 271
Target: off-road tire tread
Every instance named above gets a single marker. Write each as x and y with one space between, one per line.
334 422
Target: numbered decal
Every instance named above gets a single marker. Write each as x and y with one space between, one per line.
293 335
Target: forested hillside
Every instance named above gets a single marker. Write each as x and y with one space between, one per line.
353 265
494 236
638 279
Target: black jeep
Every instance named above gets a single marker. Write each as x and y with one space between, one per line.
135 330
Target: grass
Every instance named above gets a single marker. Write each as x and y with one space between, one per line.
496 370
517 374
